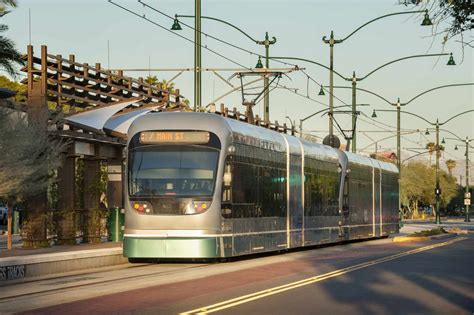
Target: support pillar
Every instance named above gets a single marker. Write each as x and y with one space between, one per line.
36 214
66 212
91 218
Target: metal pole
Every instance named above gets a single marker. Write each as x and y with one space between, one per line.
197 55
354 113
301 128
399 163
467 180
437 193
266 100
331 88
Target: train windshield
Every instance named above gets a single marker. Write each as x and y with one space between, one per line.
172 171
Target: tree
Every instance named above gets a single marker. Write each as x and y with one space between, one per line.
28 158
431 147
418 184
164 84
414 181
19 88
9 56
152 80
450 164
450 17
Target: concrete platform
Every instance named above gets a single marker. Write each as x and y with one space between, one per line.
32 263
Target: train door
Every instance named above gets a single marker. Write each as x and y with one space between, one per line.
295 193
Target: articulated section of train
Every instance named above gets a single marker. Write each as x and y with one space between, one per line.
199 185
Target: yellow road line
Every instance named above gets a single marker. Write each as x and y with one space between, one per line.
290 286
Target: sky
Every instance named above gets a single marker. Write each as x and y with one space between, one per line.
84 28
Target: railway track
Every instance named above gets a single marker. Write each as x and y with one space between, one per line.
65 283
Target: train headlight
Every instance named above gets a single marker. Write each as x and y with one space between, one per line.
195 207
142 207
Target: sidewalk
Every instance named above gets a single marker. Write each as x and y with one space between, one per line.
412 226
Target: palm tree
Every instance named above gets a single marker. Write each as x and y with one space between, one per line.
451 164
151 79
9 56
431 147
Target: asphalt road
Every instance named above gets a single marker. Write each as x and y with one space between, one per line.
376 277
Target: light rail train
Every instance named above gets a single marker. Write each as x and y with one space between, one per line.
199 185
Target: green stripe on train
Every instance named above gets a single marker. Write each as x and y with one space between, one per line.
136 247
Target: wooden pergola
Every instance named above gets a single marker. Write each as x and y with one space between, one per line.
62 87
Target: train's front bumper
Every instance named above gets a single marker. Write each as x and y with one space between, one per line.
171 247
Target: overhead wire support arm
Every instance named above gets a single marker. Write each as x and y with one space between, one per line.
462 113
367 91
436 88
227 23
371 21
396 60
213 37
309 61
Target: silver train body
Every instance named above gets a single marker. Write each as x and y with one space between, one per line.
247 190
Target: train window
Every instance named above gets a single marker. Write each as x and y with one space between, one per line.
172 171
322 183
258 186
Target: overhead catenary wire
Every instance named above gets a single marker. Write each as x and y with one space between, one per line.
369 121
183 37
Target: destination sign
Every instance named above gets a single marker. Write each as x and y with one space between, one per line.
191 137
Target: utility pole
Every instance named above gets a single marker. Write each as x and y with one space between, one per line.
197 56
354 111
467 183
266 97
437 189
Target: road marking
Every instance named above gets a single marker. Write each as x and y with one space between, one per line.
290 286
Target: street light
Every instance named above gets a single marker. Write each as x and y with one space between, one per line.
437 124
467 197
354 79
266 42
332 41
321 91
399 104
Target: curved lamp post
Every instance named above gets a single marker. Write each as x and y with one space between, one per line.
437 124
398 105
467 197
332 41
266 42
354 79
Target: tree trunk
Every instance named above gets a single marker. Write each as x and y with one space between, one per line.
416 213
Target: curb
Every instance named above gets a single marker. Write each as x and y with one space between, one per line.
397 239
29 266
